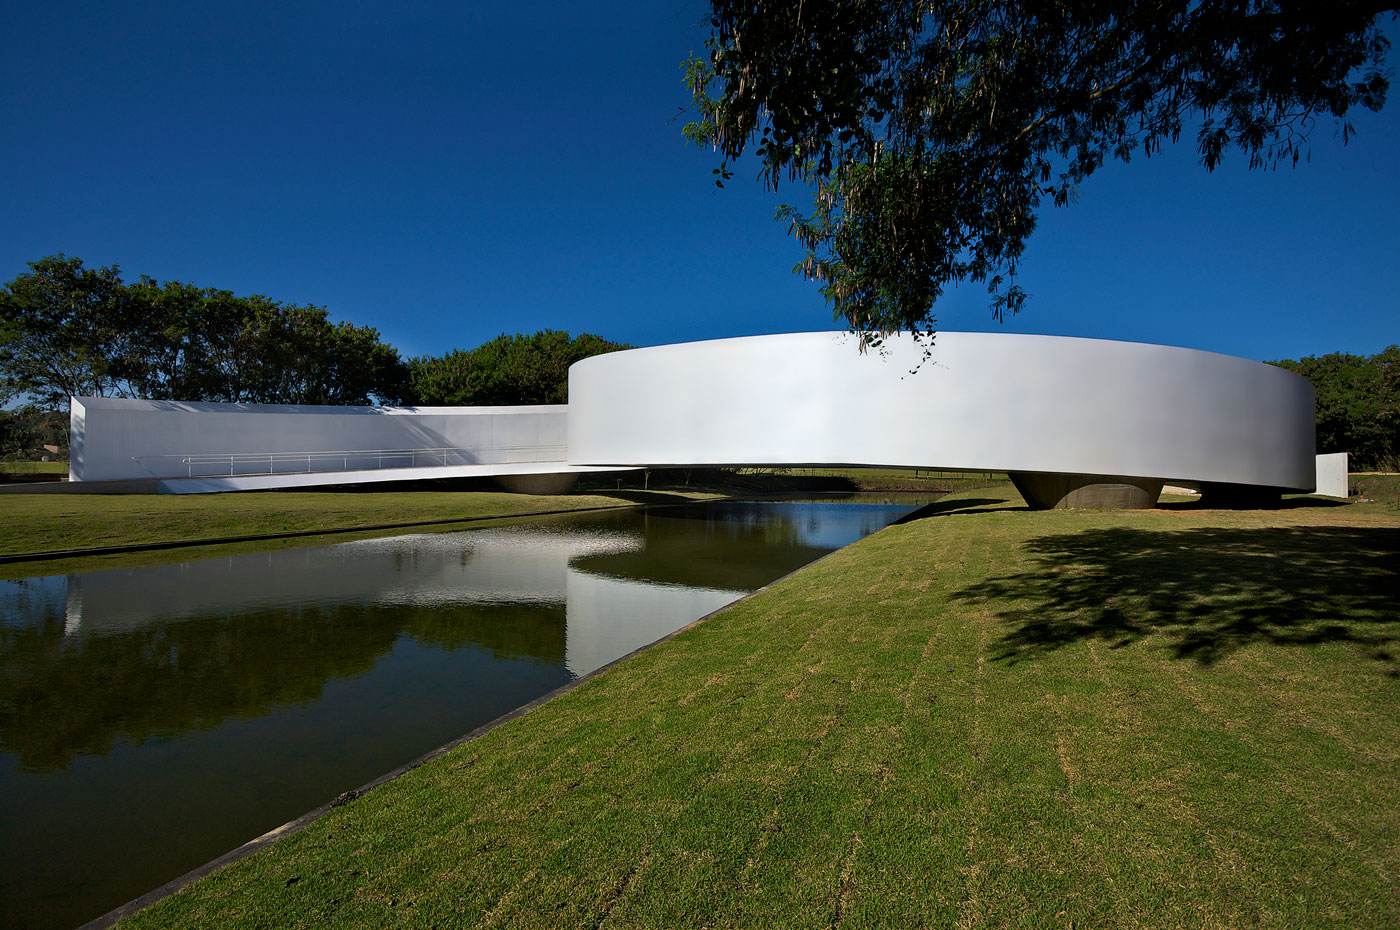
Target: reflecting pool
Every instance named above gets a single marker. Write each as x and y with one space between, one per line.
153 718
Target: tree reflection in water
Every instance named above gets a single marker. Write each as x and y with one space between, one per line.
151 718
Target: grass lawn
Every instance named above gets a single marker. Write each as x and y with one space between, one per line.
49 522
33 468
983 718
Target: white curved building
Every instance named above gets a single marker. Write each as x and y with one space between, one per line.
1062 415
1076 422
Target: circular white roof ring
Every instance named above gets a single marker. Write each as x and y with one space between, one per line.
1077 422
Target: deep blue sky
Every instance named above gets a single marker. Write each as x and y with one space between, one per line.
446 172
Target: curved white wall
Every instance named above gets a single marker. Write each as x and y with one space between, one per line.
980 402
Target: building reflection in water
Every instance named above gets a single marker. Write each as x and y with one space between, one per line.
154 717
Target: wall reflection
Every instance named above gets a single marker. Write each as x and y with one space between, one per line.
271 682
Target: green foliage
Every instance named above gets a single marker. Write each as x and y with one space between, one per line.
930 133
1358 405
442 381
64 330
25 431
69 330
515 369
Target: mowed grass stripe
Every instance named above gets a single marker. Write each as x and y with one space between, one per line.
987 718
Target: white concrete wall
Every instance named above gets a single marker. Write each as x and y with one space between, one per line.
980 402
116 438
1332 475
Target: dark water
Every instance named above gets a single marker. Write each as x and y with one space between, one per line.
154 718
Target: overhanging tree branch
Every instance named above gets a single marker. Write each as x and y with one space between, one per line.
928 132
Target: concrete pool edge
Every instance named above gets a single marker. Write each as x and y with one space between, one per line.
298 824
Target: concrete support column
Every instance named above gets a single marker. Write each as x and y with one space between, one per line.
1052 491
1239 496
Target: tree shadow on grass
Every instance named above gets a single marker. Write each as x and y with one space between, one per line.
1206 591
1291 502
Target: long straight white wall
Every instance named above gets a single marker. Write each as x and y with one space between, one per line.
979 402
121 438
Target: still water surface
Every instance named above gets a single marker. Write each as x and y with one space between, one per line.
153 718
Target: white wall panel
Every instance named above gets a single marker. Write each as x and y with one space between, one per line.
116 438
1333 475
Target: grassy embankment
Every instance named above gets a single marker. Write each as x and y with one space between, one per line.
986 717
1381 488
49 522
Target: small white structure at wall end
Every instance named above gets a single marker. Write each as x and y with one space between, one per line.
1332 475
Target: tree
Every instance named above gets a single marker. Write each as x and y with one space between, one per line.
277 354
1358 404
26 430
68 330
210 344
172 319
65 330
930 132
515 369
442 381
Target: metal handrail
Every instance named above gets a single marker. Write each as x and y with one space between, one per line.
267 462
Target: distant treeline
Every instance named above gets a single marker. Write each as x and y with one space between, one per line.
29 434
1358 405
70 330
516 369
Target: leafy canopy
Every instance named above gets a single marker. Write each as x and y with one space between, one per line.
28 432
930 132
517 369
1358 404
63 331
67 330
